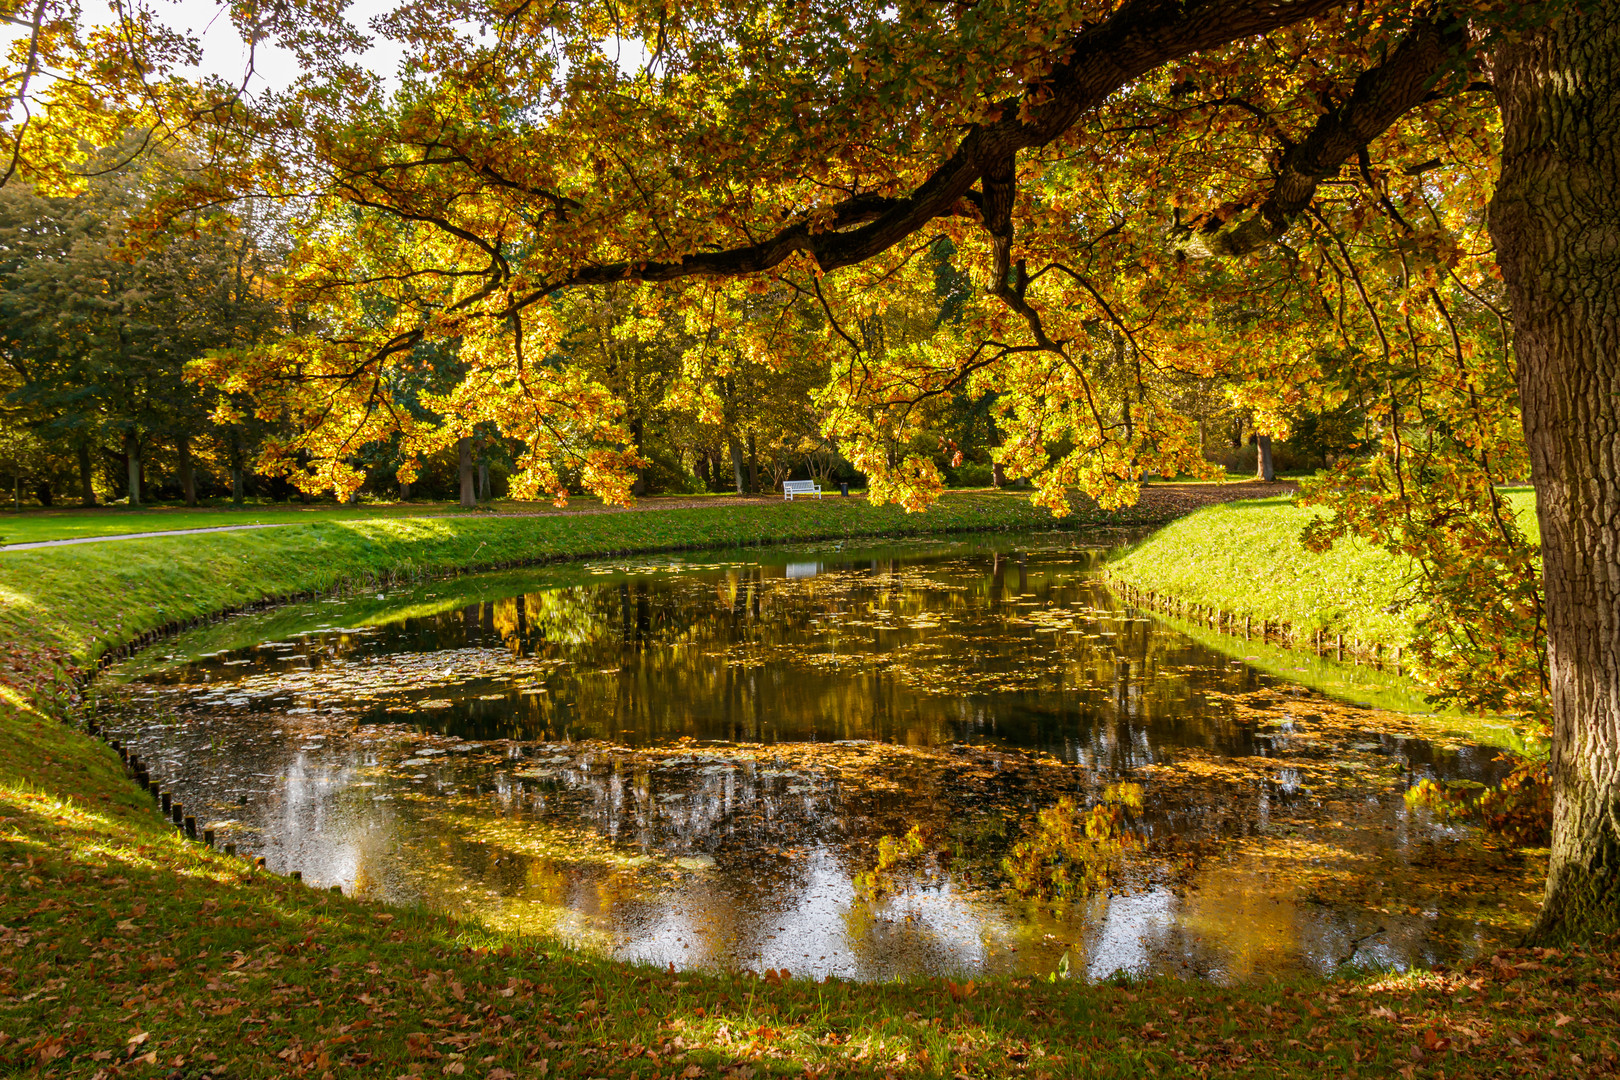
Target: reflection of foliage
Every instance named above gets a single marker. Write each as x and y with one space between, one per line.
892 853
1074 852
1519 809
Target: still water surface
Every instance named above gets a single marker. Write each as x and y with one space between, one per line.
692 760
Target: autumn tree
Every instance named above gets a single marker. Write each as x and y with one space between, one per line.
1289 197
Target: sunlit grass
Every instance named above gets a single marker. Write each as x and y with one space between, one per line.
40 524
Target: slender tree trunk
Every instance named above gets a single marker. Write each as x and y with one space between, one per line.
483 479
469 497
188 474
637 431
1262 458
236 468
998 475
729 387
404 491
132 461
87 484
736 463
753 465
1558 243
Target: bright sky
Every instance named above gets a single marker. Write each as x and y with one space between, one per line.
225 54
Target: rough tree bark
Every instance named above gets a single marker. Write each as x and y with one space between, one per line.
469 497
1558 243
638 436
1263 469
737 464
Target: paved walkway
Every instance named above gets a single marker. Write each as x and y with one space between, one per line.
144 535
1177 498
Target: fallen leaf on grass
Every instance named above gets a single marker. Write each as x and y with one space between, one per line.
50 1049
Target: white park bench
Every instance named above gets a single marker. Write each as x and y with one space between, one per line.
791 488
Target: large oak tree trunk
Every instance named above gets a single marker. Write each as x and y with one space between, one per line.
1558 241
1263 469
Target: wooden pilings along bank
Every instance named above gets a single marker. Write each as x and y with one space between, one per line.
139 771
1271 631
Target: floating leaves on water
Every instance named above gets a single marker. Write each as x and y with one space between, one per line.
695 863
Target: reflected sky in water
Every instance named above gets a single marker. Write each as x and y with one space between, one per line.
691 761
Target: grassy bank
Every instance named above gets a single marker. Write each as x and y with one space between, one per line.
88 598
1245 557
128 951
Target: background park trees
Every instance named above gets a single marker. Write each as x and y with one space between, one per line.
97 333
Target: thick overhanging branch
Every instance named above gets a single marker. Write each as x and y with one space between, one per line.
1381 95
1138 38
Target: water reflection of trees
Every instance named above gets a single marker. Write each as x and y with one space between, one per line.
887 651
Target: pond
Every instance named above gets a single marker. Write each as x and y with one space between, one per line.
828 760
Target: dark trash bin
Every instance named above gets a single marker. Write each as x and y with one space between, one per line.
843 488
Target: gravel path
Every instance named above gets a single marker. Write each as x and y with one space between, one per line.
1172 500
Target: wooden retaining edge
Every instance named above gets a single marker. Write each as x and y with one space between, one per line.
1273 631
164 803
